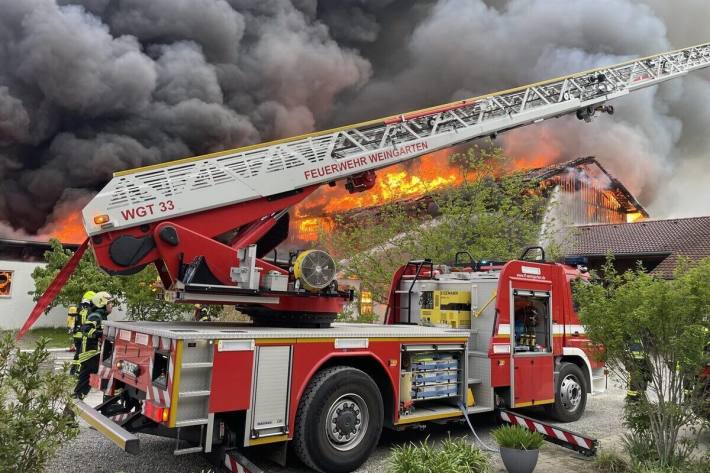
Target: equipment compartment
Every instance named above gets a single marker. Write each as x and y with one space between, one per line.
430 373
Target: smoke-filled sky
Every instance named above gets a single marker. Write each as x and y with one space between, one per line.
95 86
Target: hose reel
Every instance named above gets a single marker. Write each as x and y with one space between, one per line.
315 269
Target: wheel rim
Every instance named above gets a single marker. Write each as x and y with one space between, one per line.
570 393
347 422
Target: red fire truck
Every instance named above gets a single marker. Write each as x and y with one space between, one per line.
456 340
330 391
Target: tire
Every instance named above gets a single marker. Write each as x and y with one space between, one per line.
570 394
320 439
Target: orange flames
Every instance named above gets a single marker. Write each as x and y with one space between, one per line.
420 177
413 179
67 229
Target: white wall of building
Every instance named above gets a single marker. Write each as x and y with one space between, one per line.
15 308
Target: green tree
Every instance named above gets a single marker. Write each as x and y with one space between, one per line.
139 293
32 402
489 216
670 322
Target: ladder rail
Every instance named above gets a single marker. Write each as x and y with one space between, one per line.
205 182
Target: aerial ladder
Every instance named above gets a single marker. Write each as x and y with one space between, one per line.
208 222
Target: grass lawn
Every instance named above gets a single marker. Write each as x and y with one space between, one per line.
58 337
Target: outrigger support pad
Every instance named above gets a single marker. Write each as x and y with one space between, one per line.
565 438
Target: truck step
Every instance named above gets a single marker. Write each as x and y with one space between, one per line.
194 394
188 423
478 409
185 451
197 365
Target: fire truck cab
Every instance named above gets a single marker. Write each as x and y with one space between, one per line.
456 339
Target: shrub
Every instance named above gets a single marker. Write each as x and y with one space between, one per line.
515 436
454 456
611 462
656 331
640 447
32 401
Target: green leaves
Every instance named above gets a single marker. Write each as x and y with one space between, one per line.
32 402
489 216
139 293
657 331
515 436
454 456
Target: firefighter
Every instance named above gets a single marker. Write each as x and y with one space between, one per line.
639 372
75 317
202 314
101 305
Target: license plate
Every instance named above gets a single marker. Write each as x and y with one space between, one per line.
129 368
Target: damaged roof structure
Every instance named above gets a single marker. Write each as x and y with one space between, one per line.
586 193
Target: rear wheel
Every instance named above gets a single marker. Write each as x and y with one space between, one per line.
570 394
339 420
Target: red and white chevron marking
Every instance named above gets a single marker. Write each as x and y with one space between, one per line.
154 393
548 430
104 371
118 418
237 463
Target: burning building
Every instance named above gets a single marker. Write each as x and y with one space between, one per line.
581 191
587 193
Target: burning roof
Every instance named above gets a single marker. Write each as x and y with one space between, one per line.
598 196
628 202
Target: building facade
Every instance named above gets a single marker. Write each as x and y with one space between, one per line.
18 259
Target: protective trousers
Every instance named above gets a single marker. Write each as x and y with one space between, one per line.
86 367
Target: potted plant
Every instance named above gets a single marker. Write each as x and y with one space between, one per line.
519 447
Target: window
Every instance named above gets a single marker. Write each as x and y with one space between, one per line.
5 283
531 321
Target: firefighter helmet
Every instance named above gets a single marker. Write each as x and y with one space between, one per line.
101 299
87 297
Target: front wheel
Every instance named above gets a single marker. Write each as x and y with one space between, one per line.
570 394
339 420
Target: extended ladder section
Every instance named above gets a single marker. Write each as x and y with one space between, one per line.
193 185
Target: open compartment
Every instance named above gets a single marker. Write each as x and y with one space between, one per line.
431 381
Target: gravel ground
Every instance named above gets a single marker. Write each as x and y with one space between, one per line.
91 452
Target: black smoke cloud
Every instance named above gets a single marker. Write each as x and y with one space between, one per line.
94 86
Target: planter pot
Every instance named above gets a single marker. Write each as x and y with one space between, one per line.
519 461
